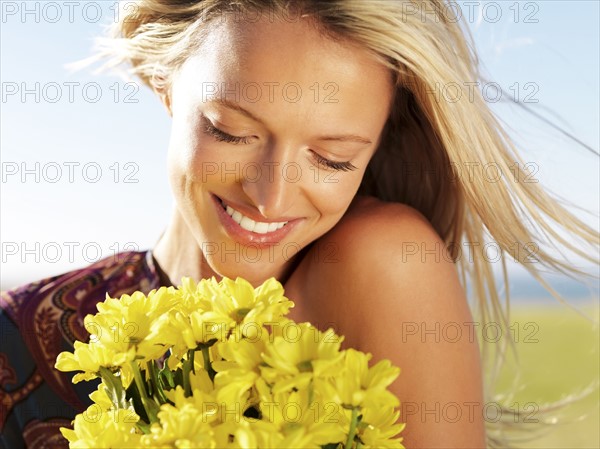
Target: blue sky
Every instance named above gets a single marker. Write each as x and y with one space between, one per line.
546 49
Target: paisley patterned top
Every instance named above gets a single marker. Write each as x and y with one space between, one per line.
42 319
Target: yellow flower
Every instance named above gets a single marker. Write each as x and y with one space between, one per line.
378 428
241 306
199 380
301 354
116 337
202 398
97 428
202 391
154 304
101 398
290 419
303 389
181 427
239 369
213 310
133 321
357 385
235 435
245 354
89 358
188 331
192 297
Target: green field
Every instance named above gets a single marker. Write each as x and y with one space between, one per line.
559 355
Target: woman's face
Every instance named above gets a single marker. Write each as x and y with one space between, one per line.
273 127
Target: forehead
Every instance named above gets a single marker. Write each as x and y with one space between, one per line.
269 63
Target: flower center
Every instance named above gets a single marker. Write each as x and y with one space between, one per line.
240 314
305 366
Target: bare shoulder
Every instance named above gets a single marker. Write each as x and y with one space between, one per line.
371 221
391 252
382 279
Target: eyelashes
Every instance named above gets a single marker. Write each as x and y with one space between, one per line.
339 166
221 136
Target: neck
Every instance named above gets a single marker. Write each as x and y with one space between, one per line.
179 255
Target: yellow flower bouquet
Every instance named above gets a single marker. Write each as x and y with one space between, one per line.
217 365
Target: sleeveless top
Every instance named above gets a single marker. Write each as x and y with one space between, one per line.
37 322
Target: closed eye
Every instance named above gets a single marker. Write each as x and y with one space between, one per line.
333 165
222 136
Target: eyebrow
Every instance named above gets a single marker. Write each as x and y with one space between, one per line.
338 138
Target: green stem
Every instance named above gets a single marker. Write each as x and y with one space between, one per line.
352 430
155 383
137 375
186 376
207 365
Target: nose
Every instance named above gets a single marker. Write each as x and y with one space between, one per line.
272 184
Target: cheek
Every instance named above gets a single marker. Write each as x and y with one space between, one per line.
192 157
334 193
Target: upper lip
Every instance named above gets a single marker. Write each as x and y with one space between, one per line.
252 213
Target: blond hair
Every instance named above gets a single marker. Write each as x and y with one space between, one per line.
426 47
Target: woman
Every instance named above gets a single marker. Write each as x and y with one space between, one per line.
306 145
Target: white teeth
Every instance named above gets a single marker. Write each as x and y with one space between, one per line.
248 224
253 226
237 217
261 228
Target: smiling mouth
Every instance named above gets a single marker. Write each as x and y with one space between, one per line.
247 223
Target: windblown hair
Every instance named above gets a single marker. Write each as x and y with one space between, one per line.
427 145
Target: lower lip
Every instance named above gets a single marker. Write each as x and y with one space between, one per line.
246 237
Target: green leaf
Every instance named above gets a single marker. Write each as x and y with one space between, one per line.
133 395
156 389
143 426
166 378
153 408
114 388
178 377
